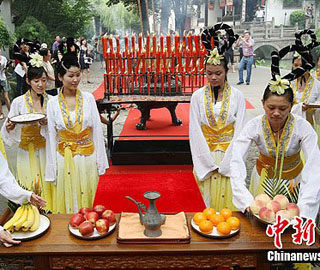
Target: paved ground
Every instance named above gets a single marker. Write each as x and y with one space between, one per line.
253 93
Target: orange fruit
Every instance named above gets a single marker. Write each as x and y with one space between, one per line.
198 217
209 212
224 228
226 213
234 223
216 219
206 226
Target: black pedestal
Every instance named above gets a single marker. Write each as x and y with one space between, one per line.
151 152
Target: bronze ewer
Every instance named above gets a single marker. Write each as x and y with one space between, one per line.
151 220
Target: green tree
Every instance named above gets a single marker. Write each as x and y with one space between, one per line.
298 17
32 29
6 37
61 17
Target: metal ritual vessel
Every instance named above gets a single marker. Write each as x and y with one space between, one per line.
152 219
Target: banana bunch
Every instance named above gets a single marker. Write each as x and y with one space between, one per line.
26 218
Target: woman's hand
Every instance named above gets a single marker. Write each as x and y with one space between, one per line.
37 201
10 126
43 122
304 107
7 240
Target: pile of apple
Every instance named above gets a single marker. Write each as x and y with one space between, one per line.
268 209
87 219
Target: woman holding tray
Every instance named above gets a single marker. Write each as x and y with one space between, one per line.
279 135
30 138
217 114
76 153
306 88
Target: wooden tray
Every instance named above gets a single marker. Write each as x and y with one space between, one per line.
155 240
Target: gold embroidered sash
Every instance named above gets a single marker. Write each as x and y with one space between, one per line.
31 134
29 102
79 143
283 140
77 126
218 136
292 166
306 91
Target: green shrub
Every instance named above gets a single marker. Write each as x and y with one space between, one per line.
6 38
32 29
298 17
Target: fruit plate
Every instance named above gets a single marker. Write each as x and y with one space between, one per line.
214 234
95 236
27 118
26 236
267 223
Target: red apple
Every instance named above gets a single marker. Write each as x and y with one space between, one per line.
99 209
86 228
110 216
84 210
76 220
92 217
102 226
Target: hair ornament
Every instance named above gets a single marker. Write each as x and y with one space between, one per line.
214 57
279 85
36 60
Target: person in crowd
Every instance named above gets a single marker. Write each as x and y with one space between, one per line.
259 15
76 153
84 58
50 89
30 138
247 44
100 53
217 114
306 88
56 43
21 55
4 85
10 189
229 55
113 117
279 136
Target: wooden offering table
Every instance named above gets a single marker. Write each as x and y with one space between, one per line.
58 249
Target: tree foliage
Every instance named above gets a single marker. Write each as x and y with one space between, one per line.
115 17
32 29
298 17
61 17
6 37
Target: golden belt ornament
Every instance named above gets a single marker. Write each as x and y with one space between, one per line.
31 134
218 138
79 143
292 166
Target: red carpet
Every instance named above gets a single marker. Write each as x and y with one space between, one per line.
99 92
179 191
160 124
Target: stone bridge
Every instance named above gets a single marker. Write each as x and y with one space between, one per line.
268 38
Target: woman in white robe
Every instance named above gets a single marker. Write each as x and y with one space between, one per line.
76 154
10 189
289 133
30 139
217 114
